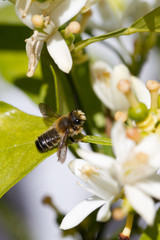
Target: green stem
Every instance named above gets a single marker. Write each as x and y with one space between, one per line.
56 89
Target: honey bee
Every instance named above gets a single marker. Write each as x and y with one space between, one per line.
60 128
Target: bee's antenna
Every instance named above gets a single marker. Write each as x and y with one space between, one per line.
75 103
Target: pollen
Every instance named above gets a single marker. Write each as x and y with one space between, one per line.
106 74
88 170
38 21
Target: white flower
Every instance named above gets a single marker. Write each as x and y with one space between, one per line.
133 173
121 13
105 79
45 18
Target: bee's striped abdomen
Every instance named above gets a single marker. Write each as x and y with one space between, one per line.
47 140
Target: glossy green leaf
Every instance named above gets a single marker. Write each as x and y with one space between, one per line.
148 23
18 153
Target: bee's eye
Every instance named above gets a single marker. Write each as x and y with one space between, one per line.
75 120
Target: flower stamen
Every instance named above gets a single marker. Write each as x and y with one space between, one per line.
88 170
120 116
134 134
125 235
153 87
124 85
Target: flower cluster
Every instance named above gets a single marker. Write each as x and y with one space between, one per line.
131 176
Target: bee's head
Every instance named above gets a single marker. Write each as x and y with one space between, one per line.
77 117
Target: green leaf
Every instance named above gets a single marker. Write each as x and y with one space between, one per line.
148 23
152 232
18 153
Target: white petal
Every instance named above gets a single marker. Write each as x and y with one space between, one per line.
101 83
59 51
80 212
33 49
141 203
32 10
150 146
100 160
141 91
104 212
119 72
151 186
66 10
101 183
122 145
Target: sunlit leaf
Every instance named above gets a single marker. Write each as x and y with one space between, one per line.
18 153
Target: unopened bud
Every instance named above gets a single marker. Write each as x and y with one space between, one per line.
74 27
37 21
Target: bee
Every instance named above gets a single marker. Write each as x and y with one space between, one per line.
60 128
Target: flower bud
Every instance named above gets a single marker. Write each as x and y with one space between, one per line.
138 113
74 27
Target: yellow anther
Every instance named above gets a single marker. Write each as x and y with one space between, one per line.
124 86
120 116
134 134
88 170
38 21
153 87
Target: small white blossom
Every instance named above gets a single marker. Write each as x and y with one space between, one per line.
105 79
121 13
132 173
45 18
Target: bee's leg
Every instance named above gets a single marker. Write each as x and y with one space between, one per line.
74 140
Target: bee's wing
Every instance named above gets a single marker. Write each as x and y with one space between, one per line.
62 149
47 113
